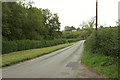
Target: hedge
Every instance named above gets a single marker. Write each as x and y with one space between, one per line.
12 46
73 40
19 45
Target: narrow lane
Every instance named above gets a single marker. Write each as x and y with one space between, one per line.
64 63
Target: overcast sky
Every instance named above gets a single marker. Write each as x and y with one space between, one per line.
74 12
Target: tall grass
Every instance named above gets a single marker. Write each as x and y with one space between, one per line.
105 65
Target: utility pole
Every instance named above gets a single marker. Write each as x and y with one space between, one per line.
96 14
118 10
96 36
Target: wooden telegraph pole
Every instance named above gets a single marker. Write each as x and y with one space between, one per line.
96 14
96 37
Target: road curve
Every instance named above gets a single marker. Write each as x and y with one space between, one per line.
64 63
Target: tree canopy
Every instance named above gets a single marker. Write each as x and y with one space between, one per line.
23 21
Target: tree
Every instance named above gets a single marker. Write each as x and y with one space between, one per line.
51 22
23 21
67 28
89 25
12 23
78 29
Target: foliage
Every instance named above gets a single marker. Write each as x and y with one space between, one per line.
70 34
82 34
73 40
89 24
106 65
18 45
104 41
87 29
118 37
22 21
67 28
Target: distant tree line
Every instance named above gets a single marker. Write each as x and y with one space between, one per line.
21 21
87 29
68 28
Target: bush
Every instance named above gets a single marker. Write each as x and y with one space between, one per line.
12 46
73 40
104 41
71 34
19 45
9 46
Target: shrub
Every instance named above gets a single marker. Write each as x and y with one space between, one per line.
73 40
19 45
104 41
8 46
12 46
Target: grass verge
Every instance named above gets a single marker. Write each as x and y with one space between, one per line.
20 56
105 65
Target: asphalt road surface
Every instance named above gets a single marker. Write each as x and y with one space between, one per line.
64 63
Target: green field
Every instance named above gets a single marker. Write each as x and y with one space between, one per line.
19 56
106 65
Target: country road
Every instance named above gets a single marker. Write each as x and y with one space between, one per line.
64 63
